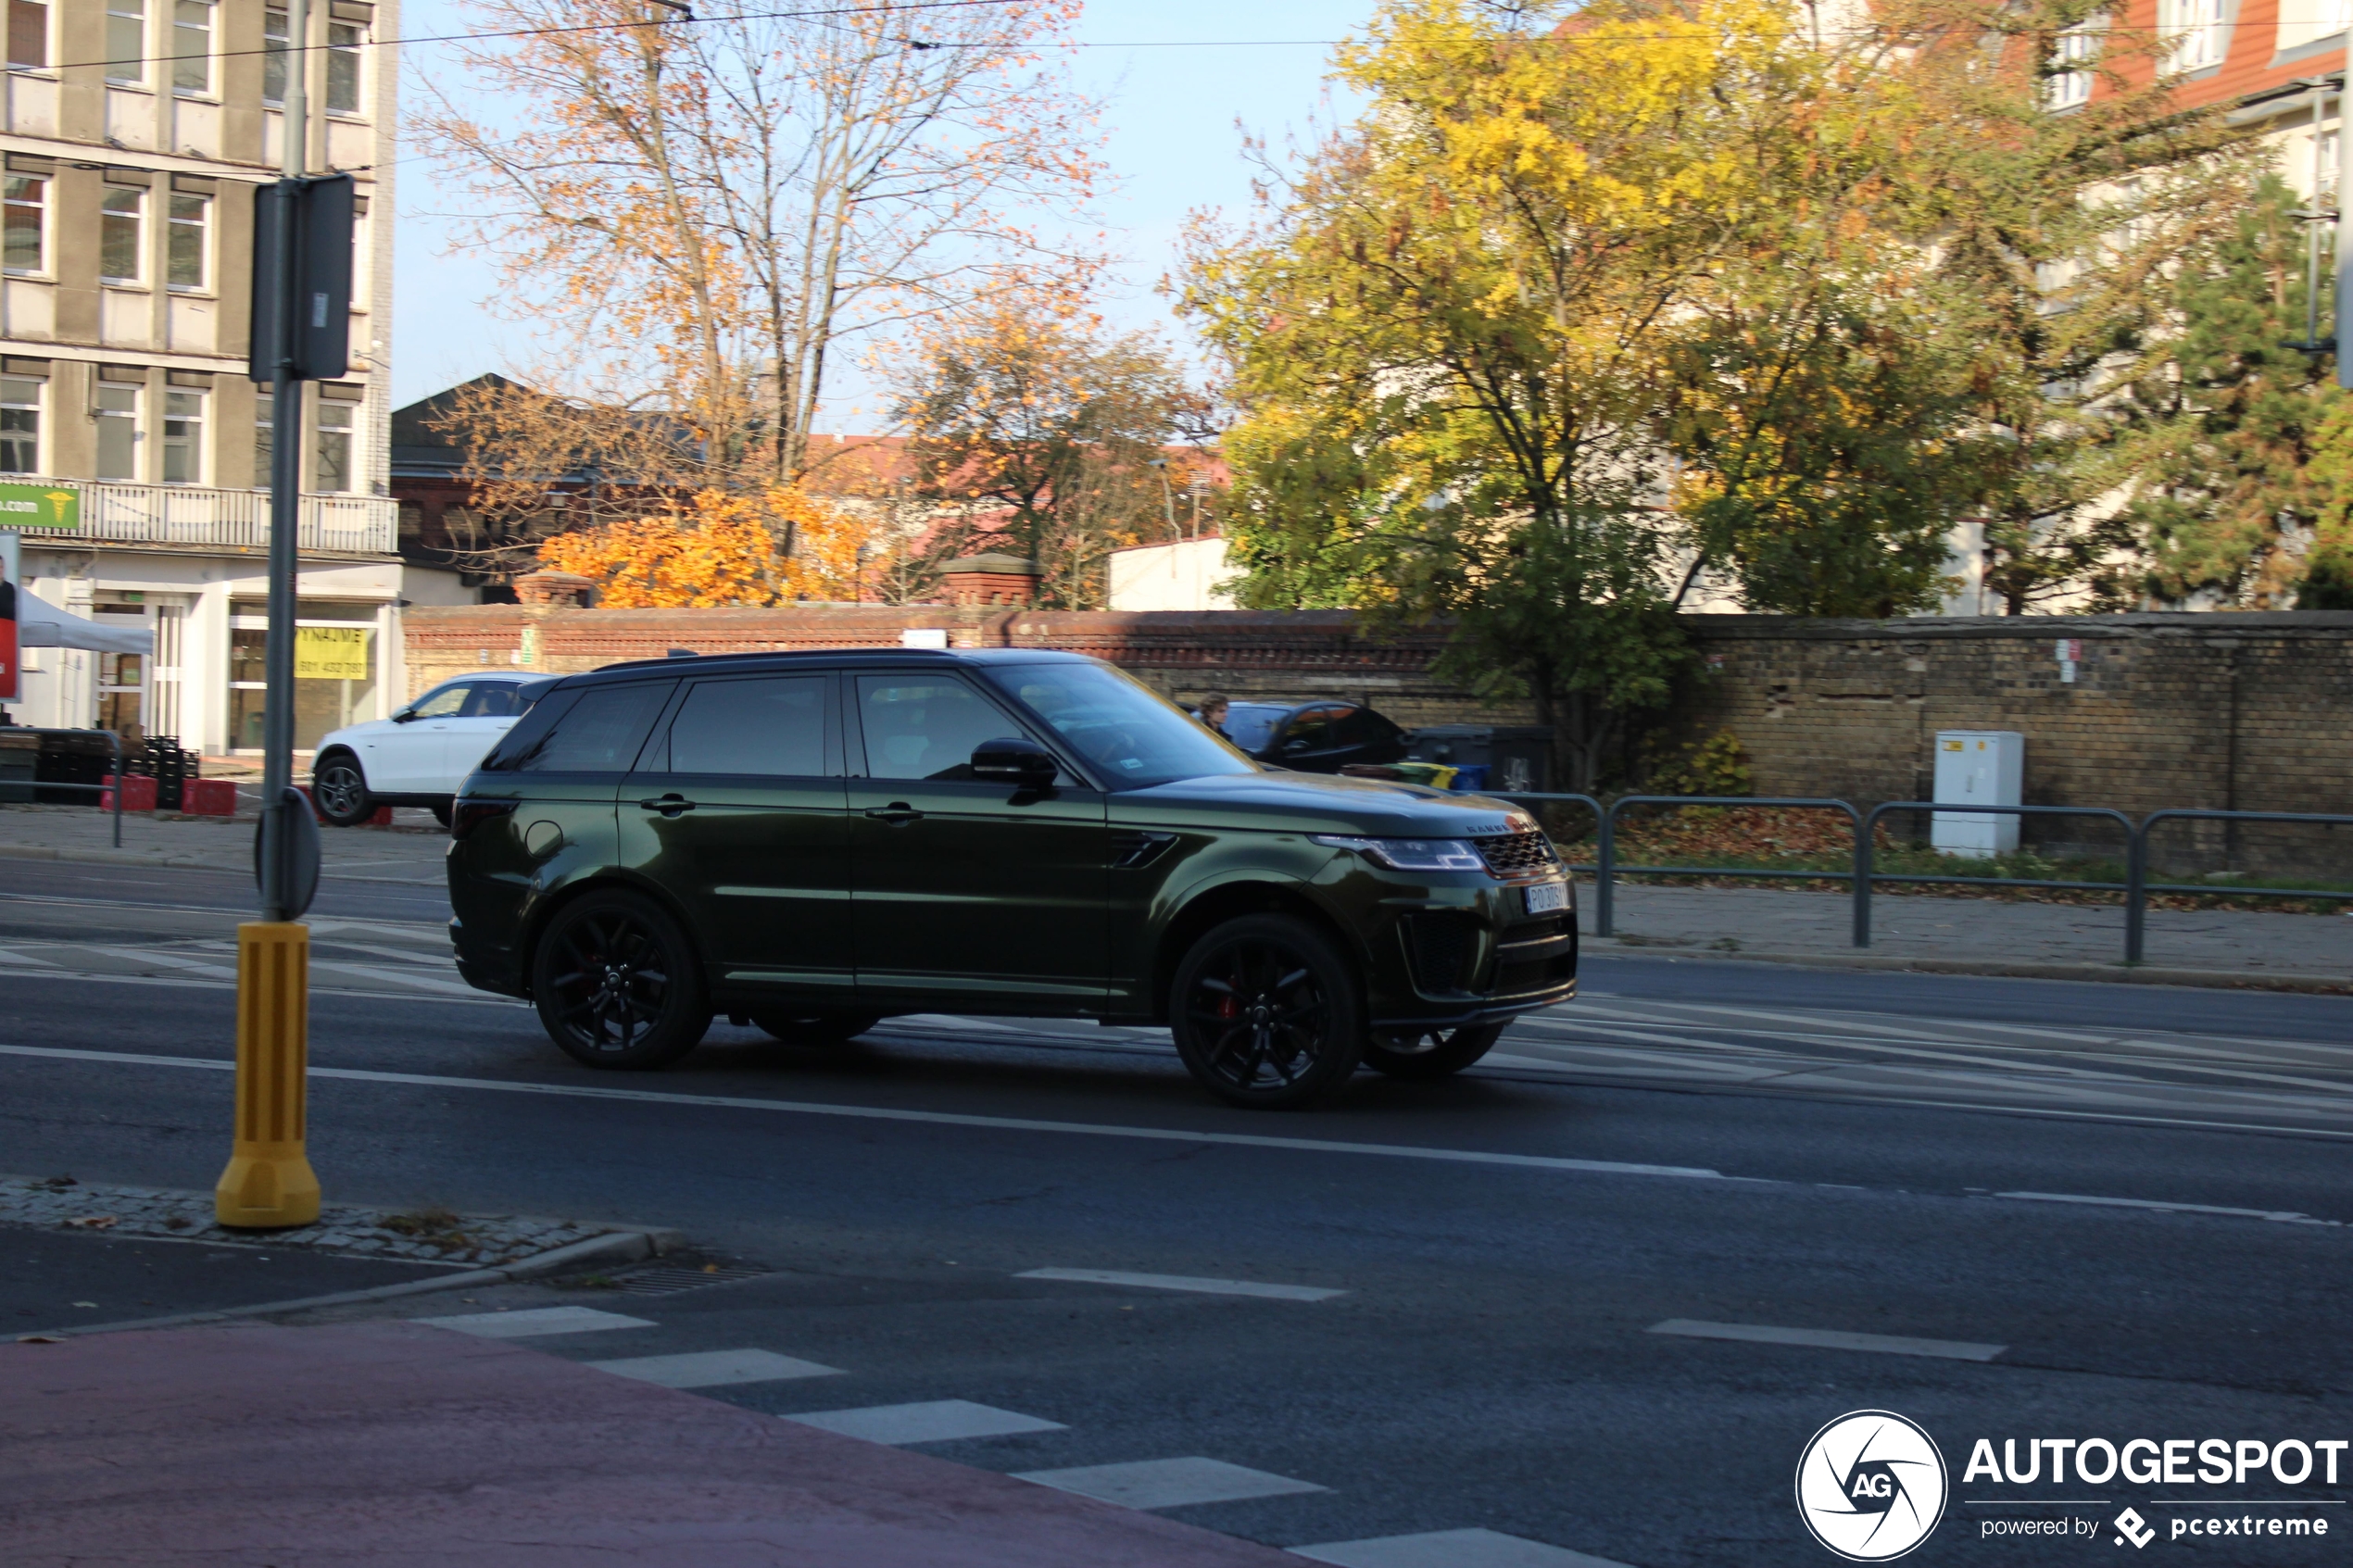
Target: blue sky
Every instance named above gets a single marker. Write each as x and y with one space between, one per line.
1176 78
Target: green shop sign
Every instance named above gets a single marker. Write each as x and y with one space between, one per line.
38 506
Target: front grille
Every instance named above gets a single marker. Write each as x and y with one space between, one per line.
1514 853
1443 948
1535 956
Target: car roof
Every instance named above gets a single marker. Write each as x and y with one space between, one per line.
833 659
516 676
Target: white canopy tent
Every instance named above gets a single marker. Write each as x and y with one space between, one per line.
43 626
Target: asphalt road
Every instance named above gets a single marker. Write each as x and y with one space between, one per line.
2116 1211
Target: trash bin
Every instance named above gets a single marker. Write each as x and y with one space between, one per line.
1518 758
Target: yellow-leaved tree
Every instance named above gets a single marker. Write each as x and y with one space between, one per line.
722 550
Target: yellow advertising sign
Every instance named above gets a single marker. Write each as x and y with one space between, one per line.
332 653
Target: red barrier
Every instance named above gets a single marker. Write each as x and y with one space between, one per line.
138 793
209 798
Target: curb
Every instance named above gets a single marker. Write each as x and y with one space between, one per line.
2115 974
626 1245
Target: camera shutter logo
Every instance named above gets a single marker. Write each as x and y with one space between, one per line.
1871 1485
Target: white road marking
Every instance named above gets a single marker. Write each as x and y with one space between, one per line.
8 957
155 956
1451 1548
936 1420
405 979
2278 1216
1186 1281
1168 1483
535 1321
714 1369
880 1113
1830 1339
190 983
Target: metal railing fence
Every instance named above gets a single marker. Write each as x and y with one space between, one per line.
1864 877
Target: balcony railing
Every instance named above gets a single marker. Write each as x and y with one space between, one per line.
190 514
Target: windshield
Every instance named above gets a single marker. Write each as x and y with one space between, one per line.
1251 724
1134 737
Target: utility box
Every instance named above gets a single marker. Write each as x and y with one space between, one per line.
1978 768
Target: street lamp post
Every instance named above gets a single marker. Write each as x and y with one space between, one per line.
1167 499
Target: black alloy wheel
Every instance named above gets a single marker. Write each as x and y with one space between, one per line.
340 790
1266 1013
816 1028
1430 1053
618 984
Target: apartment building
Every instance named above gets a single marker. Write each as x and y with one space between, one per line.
134 447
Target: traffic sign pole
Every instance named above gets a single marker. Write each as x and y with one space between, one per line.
268 1182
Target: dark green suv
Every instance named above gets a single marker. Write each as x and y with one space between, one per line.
813 842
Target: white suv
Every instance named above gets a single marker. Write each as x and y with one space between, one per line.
421 753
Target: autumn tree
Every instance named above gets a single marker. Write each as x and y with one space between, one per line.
700 218
720 550
1045 428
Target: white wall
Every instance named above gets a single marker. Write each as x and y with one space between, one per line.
1190 574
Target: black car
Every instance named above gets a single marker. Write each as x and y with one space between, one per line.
812 842
1320 737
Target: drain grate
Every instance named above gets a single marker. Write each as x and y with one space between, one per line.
670 1281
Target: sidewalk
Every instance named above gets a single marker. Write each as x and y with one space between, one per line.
393 1444
409 851
1981 936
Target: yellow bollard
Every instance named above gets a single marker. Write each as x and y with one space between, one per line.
268 1184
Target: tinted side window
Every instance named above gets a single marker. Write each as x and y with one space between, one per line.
1354 727
495 699
1314 727
924 726
601 732
774 728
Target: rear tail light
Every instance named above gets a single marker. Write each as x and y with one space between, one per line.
468 815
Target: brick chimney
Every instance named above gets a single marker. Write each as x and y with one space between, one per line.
990 580
554 590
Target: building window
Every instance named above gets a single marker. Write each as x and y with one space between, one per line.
2066 88
117 412
265 416
273 56
343 67
189 215
120 211
28 34
126 40
2193 31
192 45
20 223
182 436
334 451
19 426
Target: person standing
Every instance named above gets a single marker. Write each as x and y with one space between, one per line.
1212 712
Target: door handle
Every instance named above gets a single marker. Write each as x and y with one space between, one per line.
669 805
898 814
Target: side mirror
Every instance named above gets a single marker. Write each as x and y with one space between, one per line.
406 716
1017 760
1300 743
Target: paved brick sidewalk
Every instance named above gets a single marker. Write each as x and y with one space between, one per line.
390 1444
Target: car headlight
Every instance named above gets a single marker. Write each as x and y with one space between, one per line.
1408 854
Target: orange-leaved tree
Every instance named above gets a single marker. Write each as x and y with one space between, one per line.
722 550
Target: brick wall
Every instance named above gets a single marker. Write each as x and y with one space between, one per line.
2248 711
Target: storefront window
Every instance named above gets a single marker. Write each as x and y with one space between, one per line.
122 694
336 668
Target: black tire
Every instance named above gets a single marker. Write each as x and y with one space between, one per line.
817 1028
1430 1053
340 790
618 984
1266 1013
440 810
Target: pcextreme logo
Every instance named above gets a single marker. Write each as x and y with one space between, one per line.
1871 1485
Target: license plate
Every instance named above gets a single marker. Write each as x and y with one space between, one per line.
1548 899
